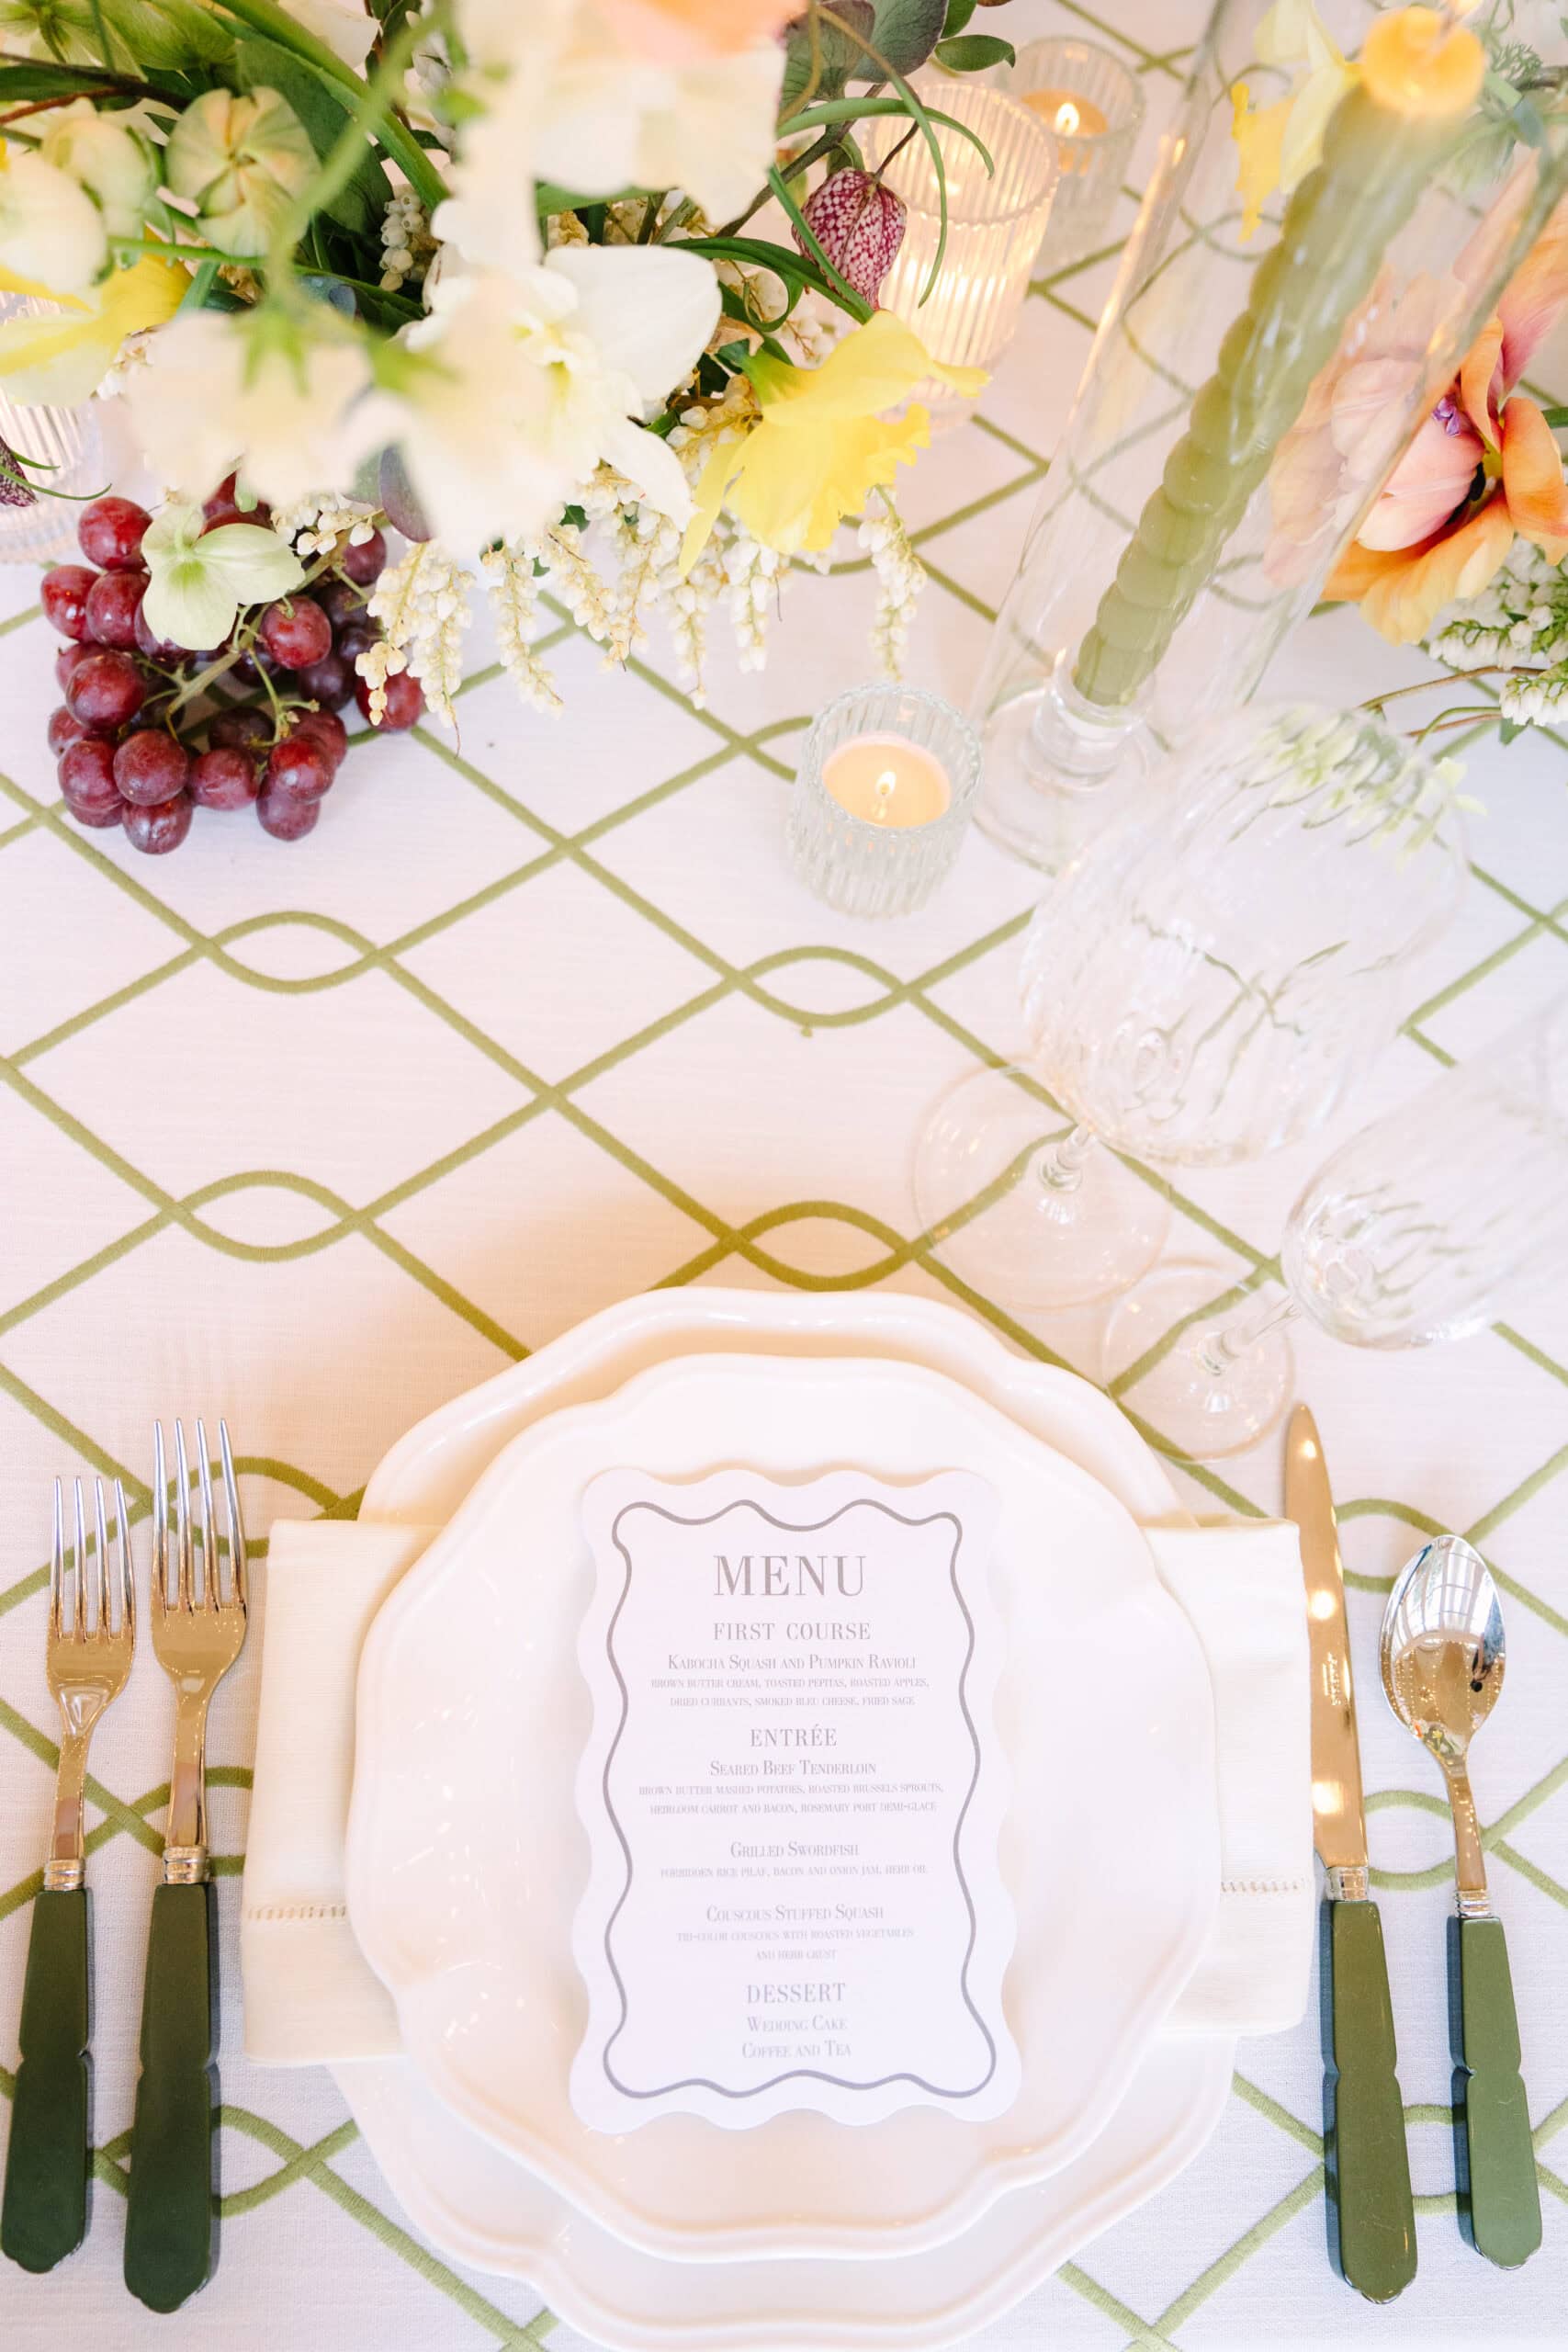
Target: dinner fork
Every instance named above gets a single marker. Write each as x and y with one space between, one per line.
195 1638
44 2214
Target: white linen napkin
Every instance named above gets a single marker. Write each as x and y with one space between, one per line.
311 1998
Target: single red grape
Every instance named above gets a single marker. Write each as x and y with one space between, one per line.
161 827
327 732
328 682
63 730
149 766
112 608
238 731
65 592
86 781
224 778
247 669
364 559
162 650
356 636
224 507
296 631
109 533
299 766
106 690
340 600
405 702
285 816
65 661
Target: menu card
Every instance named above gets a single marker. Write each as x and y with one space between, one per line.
792 1792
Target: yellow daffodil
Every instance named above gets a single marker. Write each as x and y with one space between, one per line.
823 442
64 357
1277 145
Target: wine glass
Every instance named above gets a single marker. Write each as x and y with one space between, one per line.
1201 986
1422 1226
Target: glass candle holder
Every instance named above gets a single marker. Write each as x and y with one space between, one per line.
994 221
63 452
1092 106
883 797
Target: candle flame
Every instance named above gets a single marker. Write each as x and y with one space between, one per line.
887 786
1067 118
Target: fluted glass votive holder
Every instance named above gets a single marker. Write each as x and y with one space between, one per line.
994 221
1091 106
883 797
63 455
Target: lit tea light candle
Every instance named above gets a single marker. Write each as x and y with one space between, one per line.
1071 116
887 780
882 798
1091 104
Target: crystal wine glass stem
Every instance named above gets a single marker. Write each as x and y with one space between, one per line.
1232 1341
1061 1164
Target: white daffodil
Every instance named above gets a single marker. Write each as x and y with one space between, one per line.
52 239
241 161
506 398
560 96
219 387
104 155
198 579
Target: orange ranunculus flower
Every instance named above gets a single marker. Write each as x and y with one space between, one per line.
682 32
1419 64
1483 468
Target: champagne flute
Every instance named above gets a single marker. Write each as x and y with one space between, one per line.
1424 1225
1201 986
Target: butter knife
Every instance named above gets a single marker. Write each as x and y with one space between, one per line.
1370 2219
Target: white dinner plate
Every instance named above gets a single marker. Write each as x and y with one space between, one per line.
485 2210
467 1859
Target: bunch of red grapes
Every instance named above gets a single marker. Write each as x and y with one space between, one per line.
149 732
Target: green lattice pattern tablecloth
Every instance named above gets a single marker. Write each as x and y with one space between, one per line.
319 1137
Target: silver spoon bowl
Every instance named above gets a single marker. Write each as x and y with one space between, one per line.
1442 1656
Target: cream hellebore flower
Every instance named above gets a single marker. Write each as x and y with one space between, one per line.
198 579
1279 144
219 387
62 356
507 397
112 162
565 96
52 239
241 161
347 26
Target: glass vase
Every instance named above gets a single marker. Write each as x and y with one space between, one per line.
1247 391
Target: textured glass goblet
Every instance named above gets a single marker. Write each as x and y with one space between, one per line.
1202 986
1428 1223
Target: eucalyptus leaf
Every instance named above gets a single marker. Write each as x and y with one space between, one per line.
840 55
399 503
958 14
972 53
907 32
265 64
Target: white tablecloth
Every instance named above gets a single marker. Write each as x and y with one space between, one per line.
317 1137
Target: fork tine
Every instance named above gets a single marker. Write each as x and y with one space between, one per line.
208 1550
57 1566
182 1518
105 1620
79 1607
160 1523
127 1566
236 1525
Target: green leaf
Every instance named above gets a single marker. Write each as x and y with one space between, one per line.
173 34
972 53
958 14
1510 730
907 32
550 196
261 63
838 54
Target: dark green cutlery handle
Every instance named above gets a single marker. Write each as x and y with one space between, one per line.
1364 2150
44 2216
1498 2190
168 2222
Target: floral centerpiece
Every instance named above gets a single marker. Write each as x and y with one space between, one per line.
578 296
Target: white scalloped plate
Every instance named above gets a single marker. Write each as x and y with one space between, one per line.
466 1858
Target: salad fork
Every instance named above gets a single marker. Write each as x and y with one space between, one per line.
195 1638
44 2214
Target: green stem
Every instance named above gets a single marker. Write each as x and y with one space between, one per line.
265 17
1336 228
1425 686
843 292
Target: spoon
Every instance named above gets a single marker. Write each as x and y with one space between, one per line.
1442 1659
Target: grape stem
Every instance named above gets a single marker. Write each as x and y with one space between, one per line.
245 638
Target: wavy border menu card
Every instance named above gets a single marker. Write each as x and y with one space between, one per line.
793 1791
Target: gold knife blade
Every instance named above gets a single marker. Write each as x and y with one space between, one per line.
1339 1828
